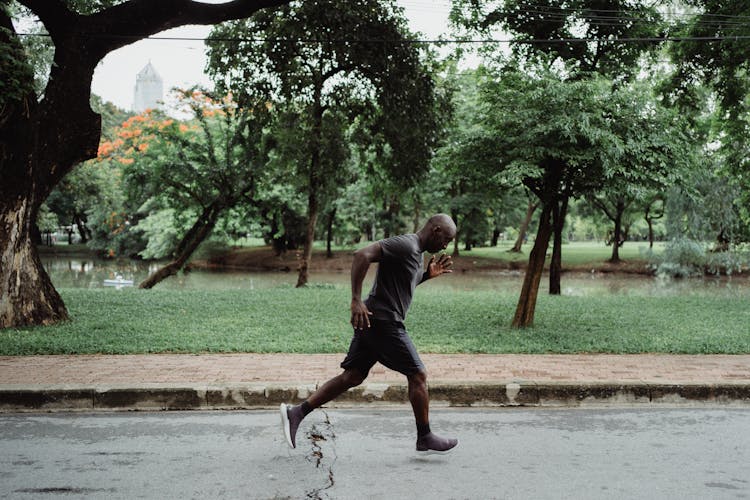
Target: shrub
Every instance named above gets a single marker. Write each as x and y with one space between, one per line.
681 258
685 257
727 262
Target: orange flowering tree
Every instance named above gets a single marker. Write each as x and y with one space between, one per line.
194 170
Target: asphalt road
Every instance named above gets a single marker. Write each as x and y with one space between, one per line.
653 453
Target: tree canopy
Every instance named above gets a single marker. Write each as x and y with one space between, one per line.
581 34
332 62
565 140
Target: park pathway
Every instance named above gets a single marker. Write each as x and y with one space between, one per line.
310 368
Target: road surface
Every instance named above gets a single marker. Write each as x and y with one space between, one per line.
652 453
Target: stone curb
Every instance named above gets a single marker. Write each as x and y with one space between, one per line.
17 398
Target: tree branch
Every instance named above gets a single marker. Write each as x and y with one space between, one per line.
116 24
602 205
54 14
128 22
336 70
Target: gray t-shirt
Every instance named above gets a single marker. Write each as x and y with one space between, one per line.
399 272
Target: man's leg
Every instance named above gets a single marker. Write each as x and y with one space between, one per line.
427 442
351 377
291 416
419 397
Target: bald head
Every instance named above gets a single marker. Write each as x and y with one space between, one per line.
437 233
442 220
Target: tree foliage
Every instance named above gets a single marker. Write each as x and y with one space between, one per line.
723 63
360 54
565 140
324 64
582 34
194 170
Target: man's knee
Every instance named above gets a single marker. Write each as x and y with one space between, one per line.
418 378
352 377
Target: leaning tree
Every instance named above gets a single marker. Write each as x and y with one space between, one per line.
43 137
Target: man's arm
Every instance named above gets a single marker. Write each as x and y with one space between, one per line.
361 263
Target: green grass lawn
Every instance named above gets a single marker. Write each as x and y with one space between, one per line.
573 254
315 320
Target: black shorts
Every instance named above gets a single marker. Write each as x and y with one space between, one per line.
386 342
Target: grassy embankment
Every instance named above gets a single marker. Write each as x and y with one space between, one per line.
444 320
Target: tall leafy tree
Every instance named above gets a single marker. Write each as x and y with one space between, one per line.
43 137
716 50
652 157
321 59
74 197
562 139
705 208
471 194
577 39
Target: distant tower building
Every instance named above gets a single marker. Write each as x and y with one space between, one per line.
149 89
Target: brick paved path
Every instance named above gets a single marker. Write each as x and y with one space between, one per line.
311 368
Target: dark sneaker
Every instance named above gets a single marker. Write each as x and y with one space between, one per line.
291 416
432 444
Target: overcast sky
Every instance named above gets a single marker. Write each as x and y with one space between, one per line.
180 63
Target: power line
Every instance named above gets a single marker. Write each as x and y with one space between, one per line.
423 41
592 17
620 11
605 17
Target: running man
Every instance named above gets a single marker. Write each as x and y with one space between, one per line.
379 333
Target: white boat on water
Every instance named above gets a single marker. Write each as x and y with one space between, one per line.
119 281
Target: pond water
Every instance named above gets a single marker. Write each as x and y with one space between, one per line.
70 272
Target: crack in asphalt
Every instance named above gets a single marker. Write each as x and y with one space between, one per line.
318 435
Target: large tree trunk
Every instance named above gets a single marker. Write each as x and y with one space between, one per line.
40 142
530 209
189 243
524 316
559 212
27 296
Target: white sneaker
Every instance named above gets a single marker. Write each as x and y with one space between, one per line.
285 424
